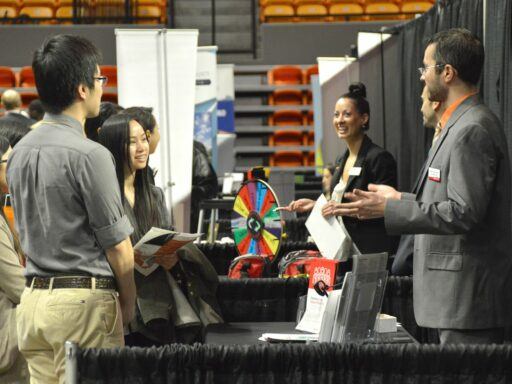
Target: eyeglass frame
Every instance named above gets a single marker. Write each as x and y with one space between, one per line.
4 161
422 70
102 79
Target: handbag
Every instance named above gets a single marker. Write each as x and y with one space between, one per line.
249 266
297 263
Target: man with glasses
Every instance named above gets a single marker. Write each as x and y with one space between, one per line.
69 214
461 211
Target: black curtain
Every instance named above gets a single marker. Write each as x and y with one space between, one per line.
323 363
394 88
497 90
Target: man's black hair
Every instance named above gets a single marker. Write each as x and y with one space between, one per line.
462 50
60 66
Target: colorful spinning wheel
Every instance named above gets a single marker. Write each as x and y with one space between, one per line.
255 224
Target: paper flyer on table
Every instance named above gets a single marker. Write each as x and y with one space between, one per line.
325 270
330 235
158 242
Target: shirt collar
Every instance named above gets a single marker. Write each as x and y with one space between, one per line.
69 121
449 111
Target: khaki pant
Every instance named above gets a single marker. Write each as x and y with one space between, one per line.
48 318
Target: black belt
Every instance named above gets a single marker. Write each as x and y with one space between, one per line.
70 282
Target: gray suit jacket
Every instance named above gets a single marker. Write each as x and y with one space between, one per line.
462 248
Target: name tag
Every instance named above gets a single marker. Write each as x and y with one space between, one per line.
354 171
434 174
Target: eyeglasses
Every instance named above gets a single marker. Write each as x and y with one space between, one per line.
102 79
422 70
3 161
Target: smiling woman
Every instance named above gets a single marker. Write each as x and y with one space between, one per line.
362 163
188 269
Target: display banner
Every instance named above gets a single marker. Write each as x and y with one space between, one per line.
205 116
157 68
226 97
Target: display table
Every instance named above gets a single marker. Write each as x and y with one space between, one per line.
248 333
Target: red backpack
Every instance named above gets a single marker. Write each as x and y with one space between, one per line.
297 263
249 266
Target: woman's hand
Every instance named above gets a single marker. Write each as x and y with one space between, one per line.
167 261
300 206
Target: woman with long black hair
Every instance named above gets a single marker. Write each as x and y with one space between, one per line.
186 274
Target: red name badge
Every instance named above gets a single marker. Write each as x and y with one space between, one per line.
434 175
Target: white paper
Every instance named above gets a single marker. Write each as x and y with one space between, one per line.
289 337
315 308
326 232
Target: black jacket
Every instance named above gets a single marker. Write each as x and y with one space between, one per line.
377 167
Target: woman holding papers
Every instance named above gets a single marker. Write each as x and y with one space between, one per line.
172 299
362 163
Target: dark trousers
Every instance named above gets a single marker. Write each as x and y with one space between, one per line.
472 336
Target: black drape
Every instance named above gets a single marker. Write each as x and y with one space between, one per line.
323 363
396 120
497 89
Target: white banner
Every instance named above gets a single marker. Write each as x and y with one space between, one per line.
205 119
157 68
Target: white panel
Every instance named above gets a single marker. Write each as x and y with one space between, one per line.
156 68
181 54
225 81
366 41
330 66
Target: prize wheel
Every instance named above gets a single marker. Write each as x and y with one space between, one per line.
255 223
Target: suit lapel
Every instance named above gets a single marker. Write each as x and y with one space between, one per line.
457 114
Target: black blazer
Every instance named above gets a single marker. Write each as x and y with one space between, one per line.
377 167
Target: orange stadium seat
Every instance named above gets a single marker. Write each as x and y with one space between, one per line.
311 12
310 118
284 74
65 12
7 77
382 11
111 72
109 96
346 1
310 158
285 97
27 77
152 14
286 117
310 138
299 2
39 3
269 2
278 13
38 12
416 6
287 159
286 137
8 12
346 11
27 97
306 74
10 3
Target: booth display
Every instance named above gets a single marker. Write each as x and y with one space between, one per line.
255 223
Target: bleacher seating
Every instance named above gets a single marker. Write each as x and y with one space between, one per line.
287 159
340 10
286 137
284 74
26 77
287 117
7 77
286 97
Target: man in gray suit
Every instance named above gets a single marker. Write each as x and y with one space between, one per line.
461 213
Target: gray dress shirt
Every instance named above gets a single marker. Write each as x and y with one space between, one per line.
66 200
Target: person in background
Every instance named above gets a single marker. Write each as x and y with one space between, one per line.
70 218
327 174
11 100
92 124
432 112
13 131
35 110
13 367
157 319
204 181
362 163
